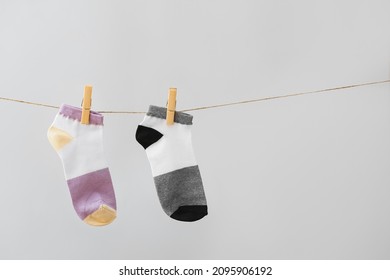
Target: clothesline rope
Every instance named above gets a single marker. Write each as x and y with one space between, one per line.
327 90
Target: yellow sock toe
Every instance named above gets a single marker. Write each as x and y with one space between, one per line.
101 217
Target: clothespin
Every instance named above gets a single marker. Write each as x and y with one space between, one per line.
171 106
86 106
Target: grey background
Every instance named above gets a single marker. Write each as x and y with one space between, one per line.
299 178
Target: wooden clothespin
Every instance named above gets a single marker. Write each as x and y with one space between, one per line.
86 106
171 106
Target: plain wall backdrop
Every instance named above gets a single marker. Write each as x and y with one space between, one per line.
299 178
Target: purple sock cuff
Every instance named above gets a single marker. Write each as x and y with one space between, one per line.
75 114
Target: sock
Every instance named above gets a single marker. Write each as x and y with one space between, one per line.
80 147
175 171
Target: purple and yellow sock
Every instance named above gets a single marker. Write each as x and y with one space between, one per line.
80 148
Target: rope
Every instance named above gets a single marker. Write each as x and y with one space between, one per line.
321 91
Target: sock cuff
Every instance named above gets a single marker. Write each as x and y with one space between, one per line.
75 114
161 112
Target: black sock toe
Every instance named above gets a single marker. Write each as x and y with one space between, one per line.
190 213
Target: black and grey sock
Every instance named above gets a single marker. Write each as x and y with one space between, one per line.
174 168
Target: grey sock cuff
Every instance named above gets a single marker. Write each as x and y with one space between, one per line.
161 112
